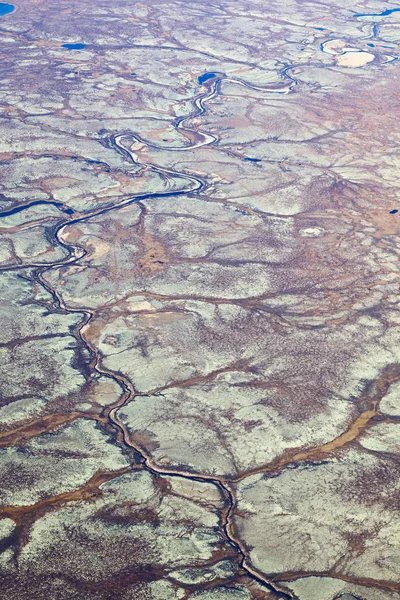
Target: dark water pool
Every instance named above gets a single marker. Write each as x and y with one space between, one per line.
205 77
385 13
6 8
74 46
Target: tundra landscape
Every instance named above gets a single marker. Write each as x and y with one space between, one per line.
199 295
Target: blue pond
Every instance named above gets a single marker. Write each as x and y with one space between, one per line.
74 46
206 77
385 13
6 8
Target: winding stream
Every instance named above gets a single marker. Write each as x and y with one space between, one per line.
21 207
122 143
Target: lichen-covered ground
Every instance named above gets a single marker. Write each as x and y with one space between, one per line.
199 297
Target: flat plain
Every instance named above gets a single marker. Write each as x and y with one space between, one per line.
199 297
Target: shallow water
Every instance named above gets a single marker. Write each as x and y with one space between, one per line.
385 13
74 46
205 77
5 8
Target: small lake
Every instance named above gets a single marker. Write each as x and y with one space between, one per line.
6 8
74 46
205 77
